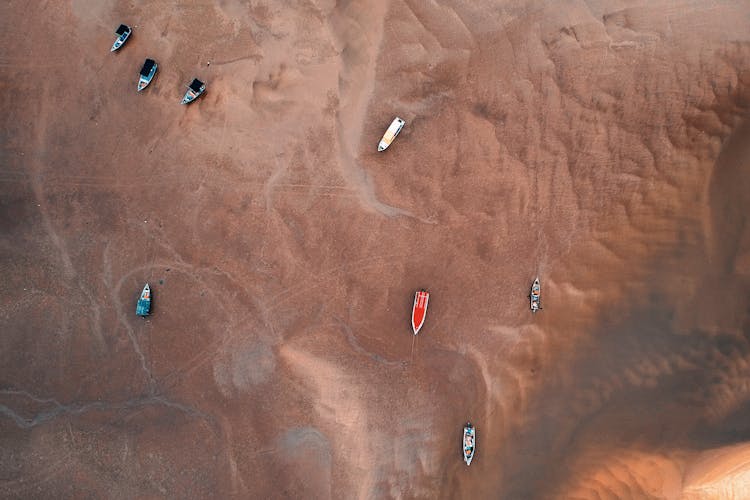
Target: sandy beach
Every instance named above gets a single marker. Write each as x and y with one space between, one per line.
603 146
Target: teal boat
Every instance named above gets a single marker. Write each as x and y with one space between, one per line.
123 33
195 89
147 74
144 302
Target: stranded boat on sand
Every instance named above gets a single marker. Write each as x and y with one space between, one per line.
144 302
535 296
195 89
469 442
419 311
123 32
395 127
147 73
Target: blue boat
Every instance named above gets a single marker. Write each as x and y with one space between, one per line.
147 74
144 302
195 89
123 32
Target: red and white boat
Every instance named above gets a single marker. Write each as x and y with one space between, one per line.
419 311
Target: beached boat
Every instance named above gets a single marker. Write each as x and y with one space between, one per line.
395 127
123 32
147 74
536 296
419 311
195 89
144 302
469 443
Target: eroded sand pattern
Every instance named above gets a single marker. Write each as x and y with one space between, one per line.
603 146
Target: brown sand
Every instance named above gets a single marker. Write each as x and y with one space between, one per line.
604 146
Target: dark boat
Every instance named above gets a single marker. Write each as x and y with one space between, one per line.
123 32
147 73
195 89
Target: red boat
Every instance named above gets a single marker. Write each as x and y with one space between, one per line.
419 311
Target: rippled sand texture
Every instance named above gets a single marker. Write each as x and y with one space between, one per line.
604 146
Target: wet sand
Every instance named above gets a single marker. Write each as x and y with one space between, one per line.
603 146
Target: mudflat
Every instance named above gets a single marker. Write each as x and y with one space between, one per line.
602 146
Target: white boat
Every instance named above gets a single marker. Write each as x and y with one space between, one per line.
536 296
195 89
469 443
147 73
395 127
123 32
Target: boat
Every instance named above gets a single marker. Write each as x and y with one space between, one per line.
535 296
469 443
393 129
144 302
123 32
147 73
419 311
195 89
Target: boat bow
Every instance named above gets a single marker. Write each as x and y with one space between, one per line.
419 311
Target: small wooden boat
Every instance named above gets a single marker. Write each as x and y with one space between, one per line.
147 73
144 302
419 311
395 127
123 32
195 89
535 296
469 443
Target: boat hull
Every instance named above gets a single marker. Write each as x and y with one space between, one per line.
390 134
535 296
145 80
119 42
419 310
194 91
469 443
143 308
191 96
